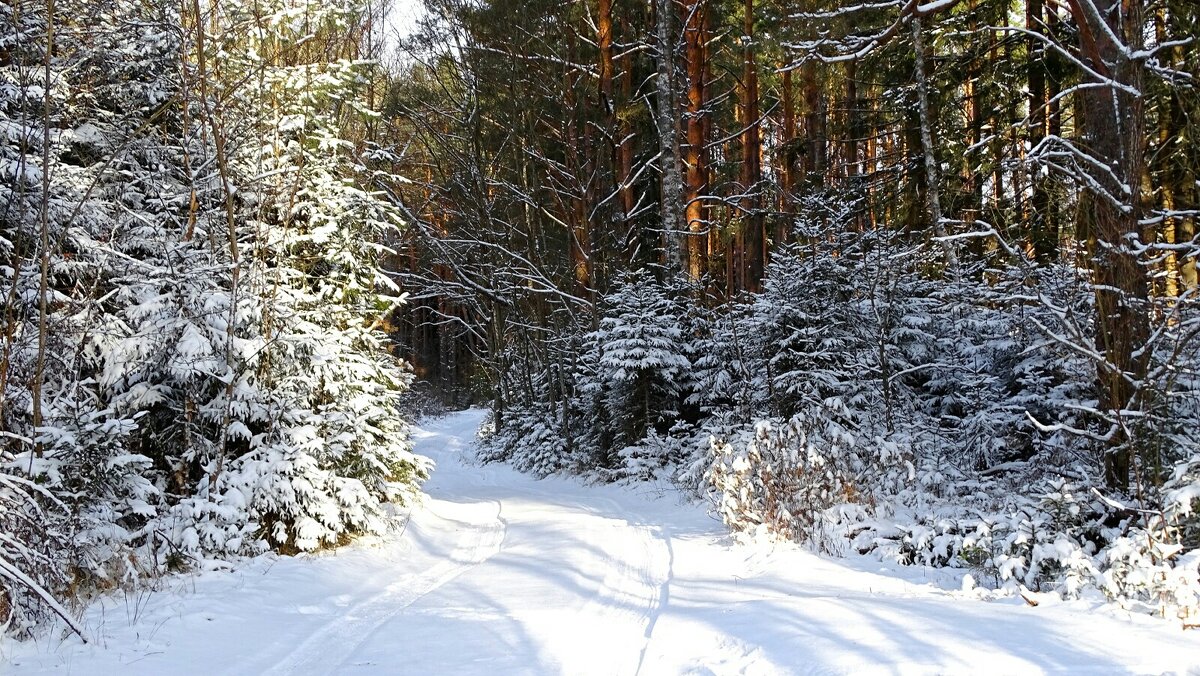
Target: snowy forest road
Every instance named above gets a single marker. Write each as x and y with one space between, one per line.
500 573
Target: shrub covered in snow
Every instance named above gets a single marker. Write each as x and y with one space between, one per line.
604 400
530 440
1069 540
795 478
1181 500
977 390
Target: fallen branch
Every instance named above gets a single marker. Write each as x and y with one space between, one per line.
12 573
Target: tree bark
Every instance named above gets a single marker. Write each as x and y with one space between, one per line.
695 39
755 239
577 145
667 121
604 40
625 149
39 373
1043 230
787 160
932 175
1113 132
814 126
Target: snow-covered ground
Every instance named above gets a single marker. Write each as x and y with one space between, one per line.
498 573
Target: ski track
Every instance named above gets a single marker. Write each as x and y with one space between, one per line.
327 650
500 573
664 597
630 592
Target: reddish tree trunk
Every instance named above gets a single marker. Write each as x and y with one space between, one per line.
696 178
755 239
788 156
1113 132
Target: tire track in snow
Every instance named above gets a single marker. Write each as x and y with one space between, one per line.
492 551
329 648
664 598
633 590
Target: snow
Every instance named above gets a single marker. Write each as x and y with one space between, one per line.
500 573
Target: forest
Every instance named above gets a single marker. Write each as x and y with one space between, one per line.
913 280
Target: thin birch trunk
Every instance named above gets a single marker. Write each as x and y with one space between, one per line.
39 374
932 175
667 120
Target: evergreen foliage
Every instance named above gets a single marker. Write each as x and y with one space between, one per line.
639 361
206 363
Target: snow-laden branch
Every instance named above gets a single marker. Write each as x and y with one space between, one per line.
1097 77
861 47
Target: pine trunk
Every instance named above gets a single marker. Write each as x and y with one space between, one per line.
695 39
755 238
1113 130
